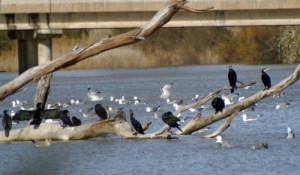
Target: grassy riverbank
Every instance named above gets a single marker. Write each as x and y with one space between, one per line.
167 47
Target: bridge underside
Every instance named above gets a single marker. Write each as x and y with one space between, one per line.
137 19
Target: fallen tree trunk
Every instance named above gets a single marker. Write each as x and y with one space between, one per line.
86 131
199 123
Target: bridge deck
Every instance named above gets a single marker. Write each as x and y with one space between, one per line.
74 6
75 14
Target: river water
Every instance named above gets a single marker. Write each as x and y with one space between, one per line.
185 155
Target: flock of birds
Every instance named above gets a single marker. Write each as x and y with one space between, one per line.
104 112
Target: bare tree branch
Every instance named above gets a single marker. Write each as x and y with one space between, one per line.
223 127
189 9
35 73
208 97
199 123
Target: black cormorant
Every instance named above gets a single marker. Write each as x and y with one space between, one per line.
232 78
6 123
136 124
23 115
265 78
171 120
76 121
218 104
101 111
36 121
65 118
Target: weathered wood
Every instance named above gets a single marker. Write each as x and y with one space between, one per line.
42 90
223 127
86 131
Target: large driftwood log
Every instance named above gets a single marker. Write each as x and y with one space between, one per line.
86 131
199 123
133 36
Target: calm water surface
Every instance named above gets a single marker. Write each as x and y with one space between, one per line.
186 155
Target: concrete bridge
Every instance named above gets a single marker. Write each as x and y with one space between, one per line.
33 23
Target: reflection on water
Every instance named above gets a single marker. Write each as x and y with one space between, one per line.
186 155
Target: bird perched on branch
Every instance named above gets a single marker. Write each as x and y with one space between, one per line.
101 111
76 121
171 120
136 124
6 123
218 104
65 118
232 78
36 121
265 79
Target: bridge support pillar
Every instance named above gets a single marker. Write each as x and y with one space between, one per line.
34 47
27 53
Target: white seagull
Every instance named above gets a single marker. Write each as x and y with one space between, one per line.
290 134
228 98
221 143
40 144
94 95
246 119
283 105
165 90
